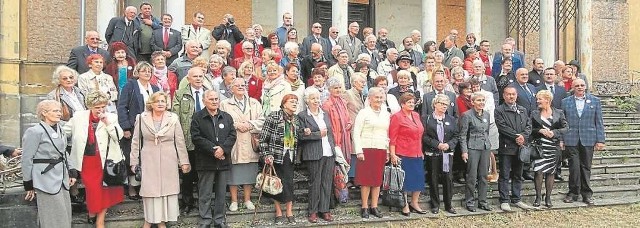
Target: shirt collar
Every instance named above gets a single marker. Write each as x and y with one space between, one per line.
320 112
584 97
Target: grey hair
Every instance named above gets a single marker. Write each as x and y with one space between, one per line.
457 70
370 37
228 69
374 90
289 47
141 66
363 56
96 98
440 98
224 43
55 78
476 95
357 75
390 50
217 58
438 53
477 61
44 106
333 81
310 91
456 57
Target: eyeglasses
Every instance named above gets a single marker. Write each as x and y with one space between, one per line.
580 85
317 26
241 85
334 32
67 78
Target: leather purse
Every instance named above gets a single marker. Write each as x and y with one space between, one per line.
268 181
530 152
114 173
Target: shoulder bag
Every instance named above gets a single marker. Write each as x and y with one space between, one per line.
268 181
530 152
114 173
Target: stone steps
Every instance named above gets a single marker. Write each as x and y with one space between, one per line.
614 113
625 141
620 126
608 119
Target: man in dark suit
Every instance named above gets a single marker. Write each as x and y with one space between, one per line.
438 88
308 63
166 39
369 48
125 29
585 134
78 56
535 75
526 91
314 37
559 93
383 43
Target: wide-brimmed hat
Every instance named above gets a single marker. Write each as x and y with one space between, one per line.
404 56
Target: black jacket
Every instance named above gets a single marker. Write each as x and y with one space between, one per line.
209 131
311 145
430 137
510 124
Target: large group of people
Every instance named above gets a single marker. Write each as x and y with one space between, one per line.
182 108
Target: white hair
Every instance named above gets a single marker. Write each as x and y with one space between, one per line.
290 46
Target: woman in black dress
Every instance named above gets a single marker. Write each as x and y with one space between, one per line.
548 125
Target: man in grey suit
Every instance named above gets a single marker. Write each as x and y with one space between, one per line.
78 56
487 83
166 39
314 37
125 29
351 43
452 51
438 88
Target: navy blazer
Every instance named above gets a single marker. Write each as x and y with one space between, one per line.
130 104
174 45
524 100
78 58
559 93
588 129
430 140
311 145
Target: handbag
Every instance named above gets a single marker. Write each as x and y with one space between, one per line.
114 173
340 186
394 196
268 181
530 152
138 169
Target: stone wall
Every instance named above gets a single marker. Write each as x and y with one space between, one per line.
214 10
610 40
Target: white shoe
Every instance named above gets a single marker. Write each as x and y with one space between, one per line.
233 206
249 205
505 207
524 206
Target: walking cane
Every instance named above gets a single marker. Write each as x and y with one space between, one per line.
255 210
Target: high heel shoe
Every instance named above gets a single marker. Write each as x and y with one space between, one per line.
536 203
547 202
412 209
92 220
407 214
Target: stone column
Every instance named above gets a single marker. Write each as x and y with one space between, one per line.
282 7
585 40
107 9
429 21
474 19
177 10
340 15
547 32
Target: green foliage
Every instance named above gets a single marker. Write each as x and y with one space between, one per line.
626 104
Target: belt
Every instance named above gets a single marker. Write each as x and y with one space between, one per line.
52 163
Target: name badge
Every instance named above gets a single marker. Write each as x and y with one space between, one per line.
484 82
253 82
222 91
588 101
510 80
537 81
447 123
453 104
221 126
484 120
55 135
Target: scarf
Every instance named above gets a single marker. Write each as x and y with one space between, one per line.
289 129
467 102
295 85
336 107
92 149
162 78
403 88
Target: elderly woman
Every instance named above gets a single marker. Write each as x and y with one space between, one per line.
390 103
223 84
319 77
404 86
463 101
223 48
439 141
439 63
371 142
246 113
254 82
278 145
96 80
474 135
133 97
457 62
273 89
548 126
292 76
216 63
369 74
95 134
70 97
336 109
47 170
318 151
160 143
457 77
164 79
121 65
267 55
291 51
405 144
248 54
274 46
260 39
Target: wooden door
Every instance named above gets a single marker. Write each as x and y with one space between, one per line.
362 12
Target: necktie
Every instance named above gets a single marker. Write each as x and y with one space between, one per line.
317 41
165 38
527 90
551 89
198 108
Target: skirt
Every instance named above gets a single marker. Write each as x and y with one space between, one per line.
245 173
370 171
549 157
161 209
54 210
285 172
414 180
98 196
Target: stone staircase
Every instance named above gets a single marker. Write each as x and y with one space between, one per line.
615 180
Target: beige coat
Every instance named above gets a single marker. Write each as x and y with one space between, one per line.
163 151
354 103
242 151
337 72
77 128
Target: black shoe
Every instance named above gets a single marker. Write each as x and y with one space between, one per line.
364 213
92 220
460 180
452 211
291 220
405 213
434 210
471 209
135 197
536 203
527 176
568 199
375 212
187 209
278 220
588 201
558 177
412 209
547 202
485 207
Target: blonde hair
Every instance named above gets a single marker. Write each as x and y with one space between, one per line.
96 98
200 61
546 94
154 98
142 65
242 66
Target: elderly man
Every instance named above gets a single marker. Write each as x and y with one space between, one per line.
291 52
188 100
227 30
389 64
148 23
526 92
341 70
454 36
183 64
415 56
213 135
369 48
451 51
558 65
314 37
383 44
416 36
78 56
586 134
439 83
308 63
281 32
351 43
518 54
507 52
128 30
256 49
488 83
333 36
196 31
333 58
535 75
514 127
167 40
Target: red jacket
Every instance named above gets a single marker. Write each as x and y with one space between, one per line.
172 81
406 134
254 88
